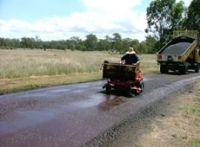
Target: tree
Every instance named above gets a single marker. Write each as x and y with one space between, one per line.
126 43
75 43
117 42
177 16
27 42
103 44
163 16
3 42
9 43
38 42
136 45
193 17
91 42
149 45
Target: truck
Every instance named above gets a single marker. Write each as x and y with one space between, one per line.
180 54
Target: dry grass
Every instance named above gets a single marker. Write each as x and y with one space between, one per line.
26 69
26 63
149 63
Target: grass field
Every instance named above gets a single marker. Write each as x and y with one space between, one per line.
22 69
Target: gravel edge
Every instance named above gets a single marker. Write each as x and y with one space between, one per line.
162 93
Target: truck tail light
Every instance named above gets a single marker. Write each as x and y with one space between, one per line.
159 57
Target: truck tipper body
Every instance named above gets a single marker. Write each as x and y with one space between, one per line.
180 54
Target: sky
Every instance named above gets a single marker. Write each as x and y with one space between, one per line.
63 19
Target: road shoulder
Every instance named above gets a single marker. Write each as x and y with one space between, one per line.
174 122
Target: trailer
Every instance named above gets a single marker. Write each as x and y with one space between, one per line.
122 77
180 54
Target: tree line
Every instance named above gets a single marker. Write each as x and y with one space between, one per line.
163 17
115 43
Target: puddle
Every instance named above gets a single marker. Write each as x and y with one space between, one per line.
147 79
59 90
111 102
75 91
26 119
105 102
92 101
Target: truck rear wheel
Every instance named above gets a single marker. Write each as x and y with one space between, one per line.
197 68
163 69
182 70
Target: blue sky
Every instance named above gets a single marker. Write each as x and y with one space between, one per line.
62 19
37 9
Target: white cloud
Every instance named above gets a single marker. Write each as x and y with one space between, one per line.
111 6
101 17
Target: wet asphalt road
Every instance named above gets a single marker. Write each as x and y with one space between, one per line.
71 115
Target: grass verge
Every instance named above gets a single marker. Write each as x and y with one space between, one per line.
20 84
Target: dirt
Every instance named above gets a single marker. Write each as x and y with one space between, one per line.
174 123
5 82
177 49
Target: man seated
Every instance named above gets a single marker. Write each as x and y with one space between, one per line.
130 58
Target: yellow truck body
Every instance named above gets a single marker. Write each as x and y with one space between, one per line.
181 53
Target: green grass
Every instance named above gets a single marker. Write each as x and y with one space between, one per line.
193 109
23 69
20 84
195 143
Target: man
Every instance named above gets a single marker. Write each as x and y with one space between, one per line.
130 58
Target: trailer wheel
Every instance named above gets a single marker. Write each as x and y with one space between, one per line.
132 93
108 89
163 69
142 85
135 92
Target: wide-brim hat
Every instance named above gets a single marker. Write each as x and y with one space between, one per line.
131 51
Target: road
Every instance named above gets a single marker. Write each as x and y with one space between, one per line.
73 115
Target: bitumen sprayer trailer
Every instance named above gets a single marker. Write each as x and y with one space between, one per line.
180 54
